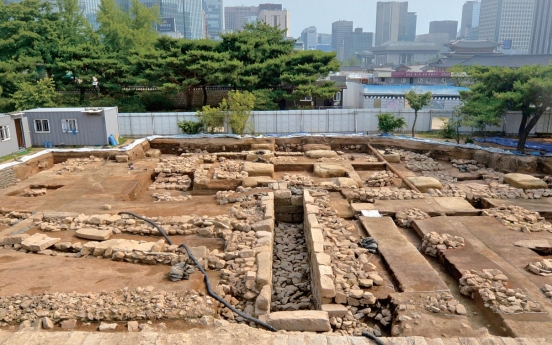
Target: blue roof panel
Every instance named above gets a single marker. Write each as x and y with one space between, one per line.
390 90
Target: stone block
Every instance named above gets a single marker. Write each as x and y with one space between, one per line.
121 158
94 234
524 181
13 239
345 182
315 154
258 169
255 181
323 259
262 154
58 215
263 225
329 170
423 183
264 269
392 157
154 153
319 147
300 320
264 146
38 242
334 310
264 298
327 287
101 247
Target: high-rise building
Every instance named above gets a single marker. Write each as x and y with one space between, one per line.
276 18
469 27
449 27
357 42
391 21
325 39
214 15
410 30
309 37
541 37
235 17
508 22
340 30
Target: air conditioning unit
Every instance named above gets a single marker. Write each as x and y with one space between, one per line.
93 111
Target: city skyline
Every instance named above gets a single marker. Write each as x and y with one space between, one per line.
361 12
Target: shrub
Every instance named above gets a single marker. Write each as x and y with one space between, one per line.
388 122
157 101
469 140
190 127
449 131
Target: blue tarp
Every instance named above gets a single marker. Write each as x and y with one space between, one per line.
513 143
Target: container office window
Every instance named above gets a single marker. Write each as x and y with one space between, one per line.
42 126
4 133
69 125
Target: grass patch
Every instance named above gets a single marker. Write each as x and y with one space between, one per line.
122 140
18 154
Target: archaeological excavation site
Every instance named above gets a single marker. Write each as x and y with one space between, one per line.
302 239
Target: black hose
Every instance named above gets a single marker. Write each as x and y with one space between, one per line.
373 338
206 278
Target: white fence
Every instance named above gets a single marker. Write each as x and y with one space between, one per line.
313 121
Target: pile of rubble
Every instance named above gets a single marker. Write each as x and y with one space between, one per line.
13 217
119 305
289 148
381 179
291 278
171 181
449 190
353 273
405 217
229 170
444 303
419 162
469 164
492 287
442 176
393 193
168 197
34 192
77 164
298 180
542 268
519 219
434 242
351 323
283 159
349 148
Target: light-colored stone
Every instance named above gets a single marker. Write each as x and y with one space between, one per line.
262 154
94 234
335 310
264 269
107 327
423 183
13 239
393 157
258 169
329 170
47 323
38 242
524 181
345 182
153 153
264 225
254 181
321 154
121 158
300 320
132 326
264 298
101 247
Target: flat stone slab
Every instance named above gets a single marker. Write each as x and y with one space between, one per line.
391 157
256 181
13 239
38 242
329 170
345 182
451 206
407 264
320 154
94 234
153 153
300 321
258 169
423 183
316 147
524 181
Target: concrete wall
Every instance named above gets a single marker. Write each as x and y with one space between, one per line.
7 178
8 146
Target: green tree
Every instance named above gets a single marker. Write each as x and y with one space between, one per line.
388 123
417 101
352 61
41 94
236 108
497 89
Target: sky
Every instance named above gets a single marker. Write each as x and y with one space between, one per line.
322 13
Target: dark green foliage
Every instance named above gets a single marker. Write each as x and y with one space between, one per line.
157 101
388 123
417 101
190 127
469 140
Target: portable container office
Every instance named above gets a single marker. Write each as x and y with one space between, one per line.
73 126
